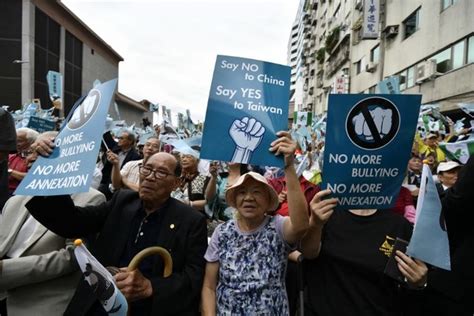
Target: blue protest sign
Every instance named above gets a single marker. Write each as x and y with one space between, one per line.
248 104
390 85
70 167
40 124
429 241
55 84
368 144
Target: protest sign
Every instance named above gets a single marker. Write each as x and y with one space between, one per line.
70 167
368 144
390 85
40 124
248 104
429 241
55 85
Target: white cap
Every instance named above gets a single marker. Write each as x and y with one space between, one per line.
446 166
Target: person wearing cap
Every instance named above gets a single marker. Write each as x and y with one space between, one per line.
247 256
447 175
452 292
429 145
7 145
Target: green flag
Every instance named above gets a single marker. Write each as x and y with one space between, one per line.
459 151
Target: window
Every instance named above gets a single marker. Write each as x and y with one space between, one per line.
73 71
443 61
47 38
375 54
470 50
458 55
357 67
447 3
403 80
412 23
411 77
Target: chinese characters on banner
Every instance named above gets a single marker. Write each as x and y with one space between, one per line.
341 85
370 26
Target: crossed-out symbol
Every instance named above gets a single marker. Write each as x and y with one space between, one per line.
85 111
373 123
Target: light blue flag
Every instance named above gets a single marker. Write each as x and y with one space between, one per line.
55 84
101 281
390 85
182 147
429 241
69 168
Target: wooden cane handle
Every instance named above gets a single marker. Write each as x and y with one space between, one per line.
162 252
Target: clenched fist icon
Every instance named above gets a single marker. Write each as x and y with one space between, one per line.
382 119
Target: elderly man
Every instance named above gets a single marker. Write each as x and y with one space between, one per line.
125 150
447 176
128 223
17 162
128 177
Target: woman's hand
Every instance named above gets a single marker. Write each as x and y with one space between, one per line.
285 146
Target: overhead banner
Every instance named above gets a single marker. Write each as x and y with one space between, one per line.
70 167
368 143
248 104
370 24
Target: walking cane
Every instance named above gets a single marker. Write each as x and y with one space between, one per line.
162 252
299 271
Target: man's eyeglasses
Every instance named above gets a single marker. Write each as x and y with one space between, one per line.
158 174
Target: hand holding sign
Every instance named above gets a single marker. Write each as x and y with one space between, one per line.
247 135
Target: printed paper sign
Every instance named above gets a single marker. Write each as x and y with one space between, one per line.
55 85
40 124
248 104
368 144
70 167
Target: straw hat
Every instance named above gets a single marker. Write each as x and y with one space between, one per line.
231 192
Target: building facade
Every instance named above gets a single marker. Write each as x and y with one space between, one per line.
41 35
428 44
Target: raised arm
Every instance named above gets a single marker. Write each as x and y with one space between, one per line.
296 224
321 211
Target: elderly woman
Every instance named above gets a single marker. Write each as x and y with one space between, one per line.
247 256
192 184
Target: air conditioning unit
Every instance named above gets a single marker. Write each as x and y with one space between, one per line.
371 67
391 31
426 71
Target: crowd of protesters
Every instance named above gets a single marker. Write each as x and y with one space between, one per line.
245 240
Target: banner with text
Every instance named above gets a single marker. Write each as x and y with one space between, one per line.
70 167
248 104
368 144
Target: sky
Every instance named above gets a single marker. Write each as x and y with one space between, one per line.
170 46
